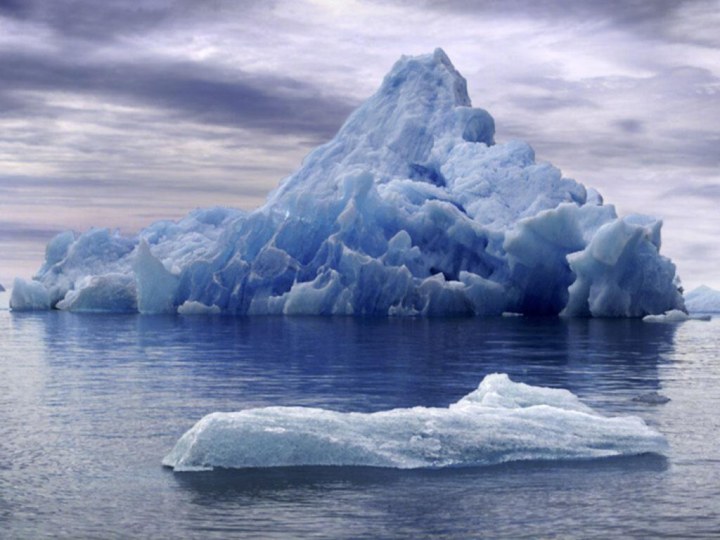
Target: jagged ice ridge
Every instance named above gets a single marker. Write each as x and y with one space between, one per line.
411 209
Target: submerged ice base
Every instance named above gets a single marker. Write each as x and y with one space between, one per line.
499 422
411 209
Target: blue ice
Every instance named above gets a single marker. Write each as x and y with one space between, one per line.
412 209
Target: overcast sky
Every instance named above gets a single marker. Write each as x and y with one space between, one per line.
118 113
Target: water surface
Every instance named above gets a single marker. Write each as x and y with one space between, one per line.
89 405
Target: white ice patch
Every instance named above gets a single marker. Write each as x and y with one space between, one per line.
501 421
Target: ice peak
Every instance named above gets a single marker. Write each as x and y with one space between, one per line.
427 75
406 129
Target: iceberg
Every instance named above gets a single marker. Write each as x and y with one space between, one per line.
501 421
29 296
703 300
412 209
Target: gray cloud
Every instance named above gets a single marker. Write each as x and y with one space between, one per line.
539 104
701 252
193 91
695 150
94 21
652 19
12 231
45 189
704 191
14 8
630 125
13 106
667 119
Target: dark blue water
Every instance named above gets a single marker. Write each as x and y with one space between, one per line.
89 405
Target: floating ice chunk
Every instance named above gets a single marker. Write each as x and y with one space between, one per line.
703 300
190 307
107 293
29 296
672 316
501 421
2 289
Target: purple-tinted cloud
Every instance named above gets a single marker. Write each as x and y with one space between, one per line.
99 22
704 191
652 19
194 91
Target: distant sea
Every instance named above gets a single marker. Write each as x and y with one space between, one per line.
89 405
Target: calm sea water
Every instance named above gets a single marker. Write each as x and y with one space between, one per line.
89 405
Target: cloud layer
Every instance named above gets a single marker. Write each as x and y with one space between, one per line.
116 115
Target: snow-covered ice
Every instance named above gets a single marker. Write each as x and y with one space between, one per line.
703 300
411 209
499 422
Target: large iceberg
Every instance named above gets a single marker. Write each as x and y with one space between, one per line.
411 209
499 422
